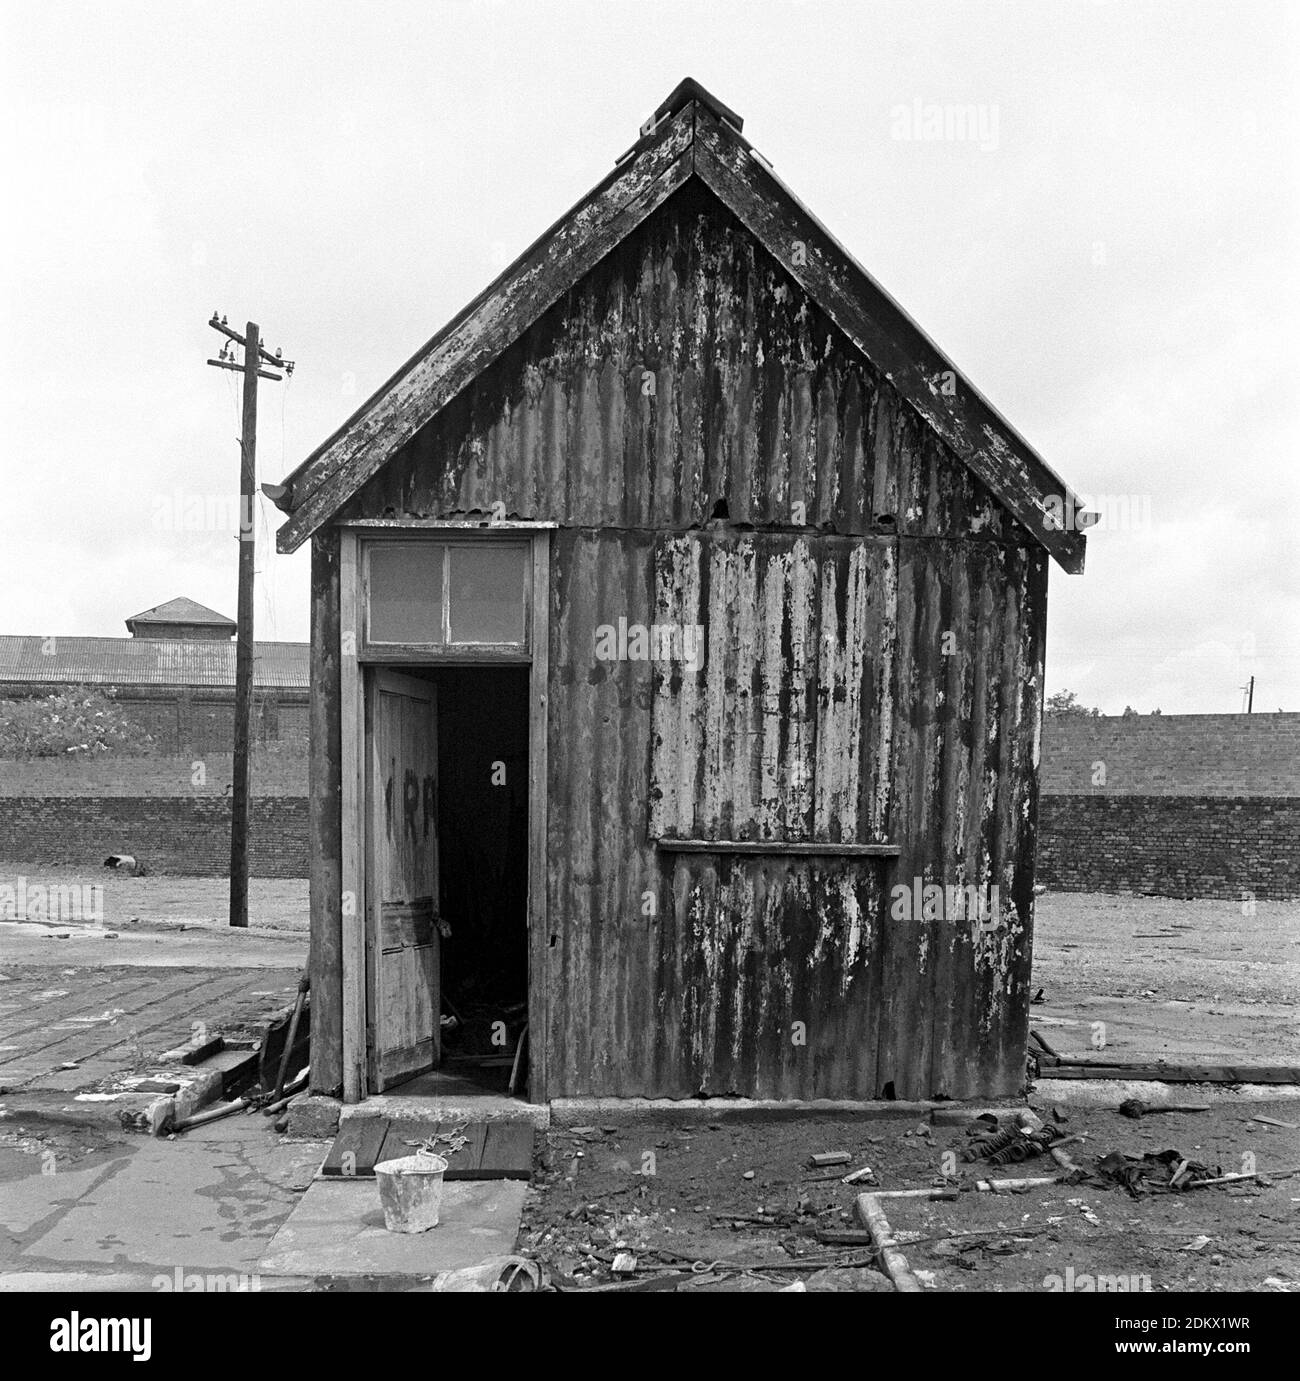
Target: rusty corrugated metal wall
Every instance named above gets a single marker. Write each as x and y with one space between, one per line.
717 455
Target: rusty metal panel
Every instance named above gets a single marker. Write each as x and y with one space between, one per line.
676 974
955 1006
781 731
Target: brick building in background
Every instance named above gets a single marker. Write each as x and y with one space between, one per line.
174 679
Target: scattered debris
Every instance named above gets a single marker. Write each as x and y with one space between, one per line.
1135 1107
825 1158
846 1280
126 863
500 1275
1153 1173
845 1237
1011 1145
1263 1176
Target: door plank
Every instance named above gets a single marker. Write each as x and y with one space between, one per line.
404 958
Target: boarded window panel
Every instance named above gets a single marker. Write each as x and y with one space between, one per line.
405 592
487 594
781 734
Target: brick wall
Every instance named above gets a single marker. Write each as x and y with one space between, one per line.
1192 805
186 837
1171 846
171 812
273 774
1174 805
1172 755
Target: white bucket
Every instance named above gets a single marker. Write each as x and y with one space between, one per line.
410 1189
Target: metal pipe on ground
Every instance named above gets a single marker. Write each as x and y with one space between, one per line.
895 1263
211 1115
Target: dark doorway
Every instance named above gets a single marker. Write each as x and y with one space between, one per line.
483 847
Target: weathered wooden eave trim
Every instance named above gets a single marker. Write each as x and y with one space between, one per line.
890 339
570 249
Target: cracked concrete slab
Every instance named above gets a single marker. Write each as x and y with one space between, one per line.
73 1200
338 1230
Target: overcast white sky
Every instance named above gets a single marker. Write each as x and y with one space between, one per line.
1114 264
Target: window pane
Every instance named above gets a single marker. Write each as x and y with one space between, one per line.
487 594
405 592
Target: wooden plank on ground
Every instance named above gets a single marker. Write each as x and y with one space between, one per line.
1178 1074
507 1152
357 1147
404 1137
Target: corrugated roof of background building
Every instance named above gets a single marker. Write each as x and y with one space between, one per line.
146 662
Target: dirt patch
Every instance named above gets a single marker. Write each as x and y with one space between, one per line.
739 1204
679 1193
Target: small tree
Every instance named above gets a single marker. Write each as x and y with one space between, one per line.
1067 702
77 722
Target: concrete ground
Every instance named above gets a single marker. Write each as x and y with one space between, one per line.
1183 981
93 1208
273 903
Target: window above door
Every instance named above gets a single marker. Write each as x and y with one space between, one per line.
445 596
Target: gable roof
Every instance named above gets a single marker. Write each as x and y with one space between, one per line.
181 610
691 135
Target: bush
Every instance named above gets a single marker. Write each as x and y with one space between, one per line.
1067 702
77 722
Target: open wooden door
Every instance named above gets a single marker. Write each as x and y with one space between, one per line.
403 1001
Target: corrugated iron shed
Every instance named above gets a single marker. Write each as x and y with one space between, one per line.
734 428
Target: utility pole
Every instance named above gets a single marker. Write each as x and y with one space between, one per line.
1250 695
254 356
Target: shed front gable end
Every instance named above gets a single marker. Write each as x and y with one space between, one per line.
686 379
697 144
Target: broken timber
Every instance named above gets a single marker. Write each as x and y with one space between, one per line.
1065 1068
